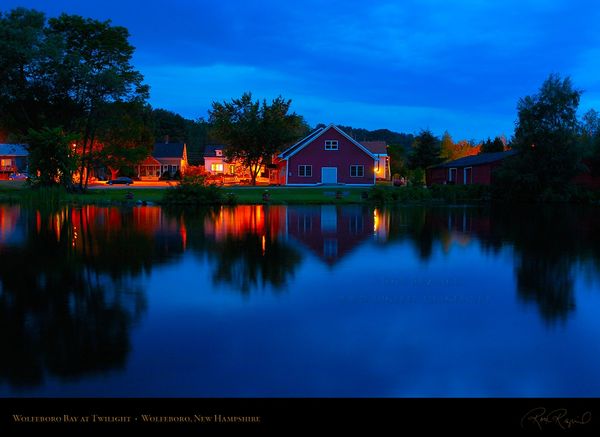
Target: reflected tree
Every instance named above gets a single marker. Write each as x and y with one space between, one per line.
70 292
548 244
251 261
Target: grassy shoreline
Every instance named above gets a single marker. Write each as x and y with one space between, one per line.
243 195
332 195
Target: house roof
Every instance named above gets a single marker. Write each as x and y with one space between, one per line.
210 150
290 151
376 147
150 161
307 139
168 150
484 158
13 150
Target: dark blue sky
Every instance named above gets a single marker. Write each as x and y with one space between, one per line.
404 65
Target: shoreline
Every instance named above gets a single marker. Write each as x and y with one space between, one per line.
277 195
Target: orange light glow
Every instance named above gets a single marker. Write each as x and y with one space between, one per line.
264 244
183 233
375 220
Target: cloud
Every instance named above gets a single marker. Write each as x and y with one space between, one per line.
470 58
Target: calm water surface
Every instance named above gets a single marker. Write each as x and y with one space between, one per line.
300 301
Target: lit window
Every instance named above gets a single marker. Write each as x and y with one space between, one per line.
232 169
357 171
217 167
305 170
331 145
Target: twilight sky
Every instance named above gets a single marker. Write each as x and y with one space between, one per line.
404 65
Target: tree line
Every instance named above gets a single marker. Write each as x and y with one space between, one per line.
69 90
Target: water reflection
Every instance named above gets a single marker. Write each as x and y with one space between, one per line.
549 244
70 288
72 282
248 247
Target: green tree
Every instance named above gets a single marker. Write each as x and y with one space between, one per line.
25 88
51 157
63 73
447 147
254 132
126 135
426 150
545 137
489 146
168 124
95 69
589 135
398 161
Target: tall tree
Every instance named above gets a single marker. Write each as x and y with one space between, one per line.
62 73
426 149
447 147
546 141
95 70
489 146
255 131
126 135
25 91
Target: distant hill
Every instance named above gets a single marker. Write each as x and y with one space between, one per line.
390 137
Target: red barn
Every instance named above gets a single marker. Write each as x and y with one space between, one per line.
327 156
590 178
476 169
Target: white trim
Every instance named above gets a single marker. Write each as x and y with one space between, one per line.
332 143
376 162
313 134
353 141
465 175
450 174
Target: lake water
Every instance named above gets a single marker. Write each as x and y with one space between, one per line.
300 301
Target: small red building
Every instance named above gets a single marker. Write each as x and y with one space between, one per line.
590 178
476 169
327 156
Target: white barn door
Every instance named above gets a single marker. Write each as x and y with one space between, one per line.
329 175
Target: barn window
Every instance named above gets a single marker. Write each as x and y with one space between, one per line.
331 145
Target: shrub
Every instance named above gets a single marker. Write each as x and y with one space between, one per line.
417 177
379 194
193 190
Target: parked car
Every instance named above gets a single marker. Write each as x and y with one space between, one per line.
121 180
18 176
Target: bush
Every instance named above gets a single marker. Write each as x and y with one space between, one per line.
417 177
460 193
379 194
193 190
